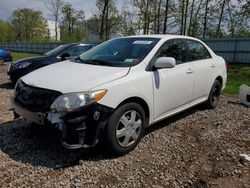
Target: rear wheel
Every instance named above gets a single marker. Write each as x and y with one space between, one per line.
125 128
214 95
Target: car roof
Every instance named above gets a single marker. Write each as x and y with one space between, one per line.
161 36
77 44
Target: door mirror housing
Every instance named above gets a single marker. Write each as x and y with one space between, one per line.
63 57
59 58
165 62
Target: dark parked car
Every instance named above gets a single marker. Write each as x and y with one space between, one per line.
5 56
63 52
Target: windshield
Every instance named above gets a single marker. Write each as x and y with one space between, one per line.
119 52
58 50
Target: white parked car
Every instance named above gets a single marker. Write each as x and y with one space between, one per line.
115 90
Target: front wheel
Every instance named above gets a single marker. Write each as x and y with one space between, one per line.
214 95
125 128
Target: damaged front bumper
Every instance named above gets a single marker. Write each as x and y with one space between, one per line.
79 129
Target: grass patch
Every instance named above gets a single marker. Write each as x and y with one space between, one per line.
238 74
19 55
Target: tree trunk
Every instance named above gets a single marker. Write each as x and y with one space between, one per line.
146 12
185 20
231 19
159 15
205 19
194 29
191 17
182 16
107 23
56 30
165 17
103 19
220 18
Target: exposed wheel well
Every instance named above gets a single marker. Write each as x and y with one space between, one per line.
139 101
219 78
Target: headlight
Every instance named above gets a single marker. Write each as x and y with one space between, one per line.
9 67
74 101
23 65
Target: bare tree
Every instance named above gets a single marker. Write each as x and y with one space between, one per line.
103 5
191 17
195 19
220 18
182 4
109 17
231 19
166 17
205 19
186 15
55 7
158 19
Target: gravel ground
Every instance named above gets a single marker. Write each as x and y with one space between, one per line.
197 148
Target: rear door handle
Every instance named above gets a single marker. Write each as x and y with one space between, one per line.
189 71
213 65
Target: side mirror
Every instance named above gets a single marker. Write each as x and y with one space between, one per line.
165 62
59 58
64 56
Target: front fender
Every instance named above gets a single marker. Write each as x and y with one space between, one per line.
138 83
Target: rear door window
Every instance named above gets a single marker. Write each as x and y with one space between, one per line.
197 50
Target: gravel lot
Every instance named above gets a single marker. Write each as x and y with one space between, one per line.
197 148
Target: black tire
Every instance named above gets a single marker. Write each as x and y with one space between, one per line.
112 142
214 95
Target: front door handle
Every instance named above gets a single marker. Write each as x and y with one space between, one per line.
189 71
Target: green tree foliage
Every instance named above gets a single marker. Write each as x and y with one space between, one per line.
6 34
129 23
28 25
109 17
73 24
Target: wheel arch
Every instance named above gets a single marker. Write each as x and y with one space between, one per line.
220 79
139 101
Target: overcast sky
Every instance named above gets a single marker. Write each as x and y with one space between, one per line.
8 6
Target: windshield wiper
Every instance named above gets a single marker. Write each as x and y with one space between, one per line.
92 62
101 62
77 60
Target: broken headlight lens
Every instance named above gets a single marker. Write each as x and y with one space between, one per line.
73 101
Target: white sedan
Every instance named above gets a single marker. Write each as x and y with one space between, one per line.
111 93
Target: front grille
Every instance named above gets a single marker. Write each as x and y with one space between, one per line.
33 98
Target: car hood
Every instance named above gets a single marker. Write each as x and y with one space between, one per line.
33 59
68 77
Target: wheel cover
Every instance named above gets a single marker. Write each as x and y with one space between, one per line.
128 128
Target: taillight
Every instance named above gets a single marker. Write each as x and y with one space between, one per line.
226 64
